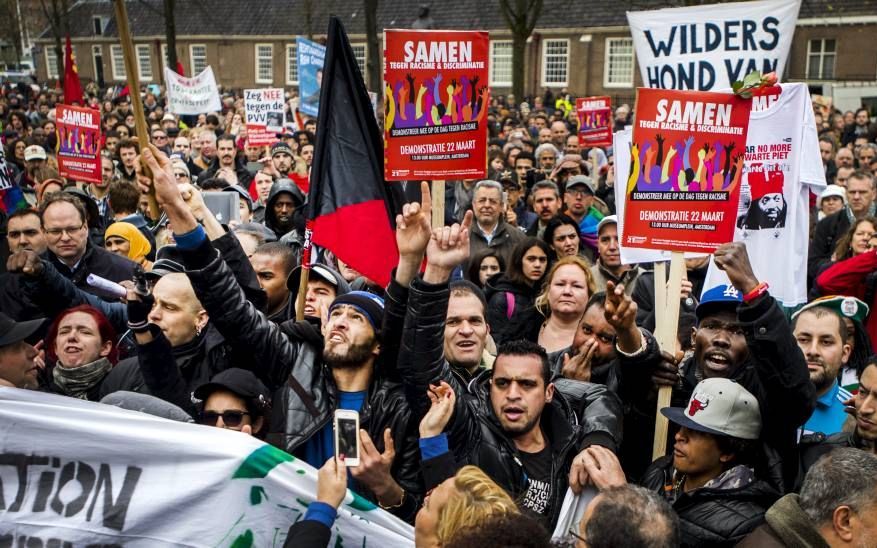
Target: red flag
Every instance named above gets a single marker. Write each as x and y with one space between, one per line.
72 86
352 207
180 70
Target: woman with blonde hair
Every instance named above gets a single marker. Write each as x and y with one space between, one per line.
126 240
568 286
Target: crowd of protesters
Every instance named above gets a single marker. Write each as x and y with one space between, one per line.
510 358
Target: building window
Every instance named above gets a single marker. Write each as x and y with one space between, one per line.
97 24
51 62
264 63
820 59
500 62
117 63
144 63
359 51
197 58
555 62
618 71
291 65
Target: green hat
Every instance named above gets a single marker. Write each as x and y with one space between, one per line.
845 307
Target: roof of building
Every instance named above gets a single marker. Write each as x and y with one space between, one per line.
287 18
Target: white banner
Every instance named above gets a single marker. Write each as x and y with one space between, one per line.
263 113
197 95
86 473
709 47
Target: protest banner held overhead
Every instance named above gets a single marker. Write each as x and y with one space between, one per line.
436 101
185 485
193 96
595 119
710 47
687 157
263 115
79 143
310 74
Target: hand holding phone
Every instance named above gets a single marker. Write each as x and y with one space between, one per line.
347 436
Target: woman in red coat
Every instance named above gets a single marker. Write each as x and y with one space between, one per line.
854 272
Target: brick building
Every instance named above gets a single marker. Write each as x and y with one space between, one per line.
584 46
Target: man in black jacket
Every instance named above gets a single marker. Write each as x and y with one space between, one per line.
65 224
513 422
742 334
311 373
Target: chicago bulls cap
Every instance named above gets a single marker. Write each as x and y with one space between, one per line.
720 407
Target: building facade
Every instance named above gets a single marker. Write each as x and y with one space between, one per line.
582 46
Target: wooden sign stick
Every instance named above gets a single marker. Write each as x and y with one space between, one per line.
437 189
134 91
666 329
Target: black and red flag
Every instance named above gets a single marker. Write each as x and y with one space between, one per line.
351 209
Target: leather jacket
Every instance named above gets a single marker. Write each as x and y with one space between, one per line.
579 415
289 361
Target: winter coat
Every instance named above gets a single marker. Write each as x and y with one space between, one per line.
511 309
854 277
504 240
97 261
289 361
579 415
775 372
786 526
173 373
244 176
713 517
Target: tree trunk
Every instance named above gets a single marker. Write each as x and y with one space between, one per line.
170 31
373 52
519 49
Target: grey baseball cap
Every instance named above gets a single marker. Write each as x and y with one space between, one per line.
581 180
721 407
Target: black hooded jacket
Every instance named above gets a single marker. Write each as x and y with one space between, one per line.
511 309
279 187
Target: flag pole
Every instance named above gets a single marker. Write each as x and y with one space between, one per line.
666 329
134 86
438 203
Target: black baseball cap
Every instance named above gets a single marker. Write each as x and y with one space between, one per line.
12 331
321 272
238 381
168 260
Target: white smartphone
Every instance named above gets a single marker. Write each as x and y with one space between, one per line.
347 436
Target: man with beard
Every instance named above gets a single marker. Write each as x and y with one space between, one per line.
281 158
741 334
311 372
591 358
821 334
513 422
225 166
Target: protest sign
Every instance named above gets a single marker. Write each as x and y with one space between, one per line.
310 74
595 121
263 111
709 47
687 156
193 96
79 143
436 104
136 480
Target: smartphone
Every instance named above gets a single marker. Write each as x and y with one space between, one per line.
347 436
254 167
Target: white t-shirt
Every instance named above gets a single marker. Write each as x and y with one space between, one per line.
782 152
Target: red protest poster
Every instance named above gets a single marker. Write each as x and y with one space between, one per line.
435 105
78 143
595 121
686 164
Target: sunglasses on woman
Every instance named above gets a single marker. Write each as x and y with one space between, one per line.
231 418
